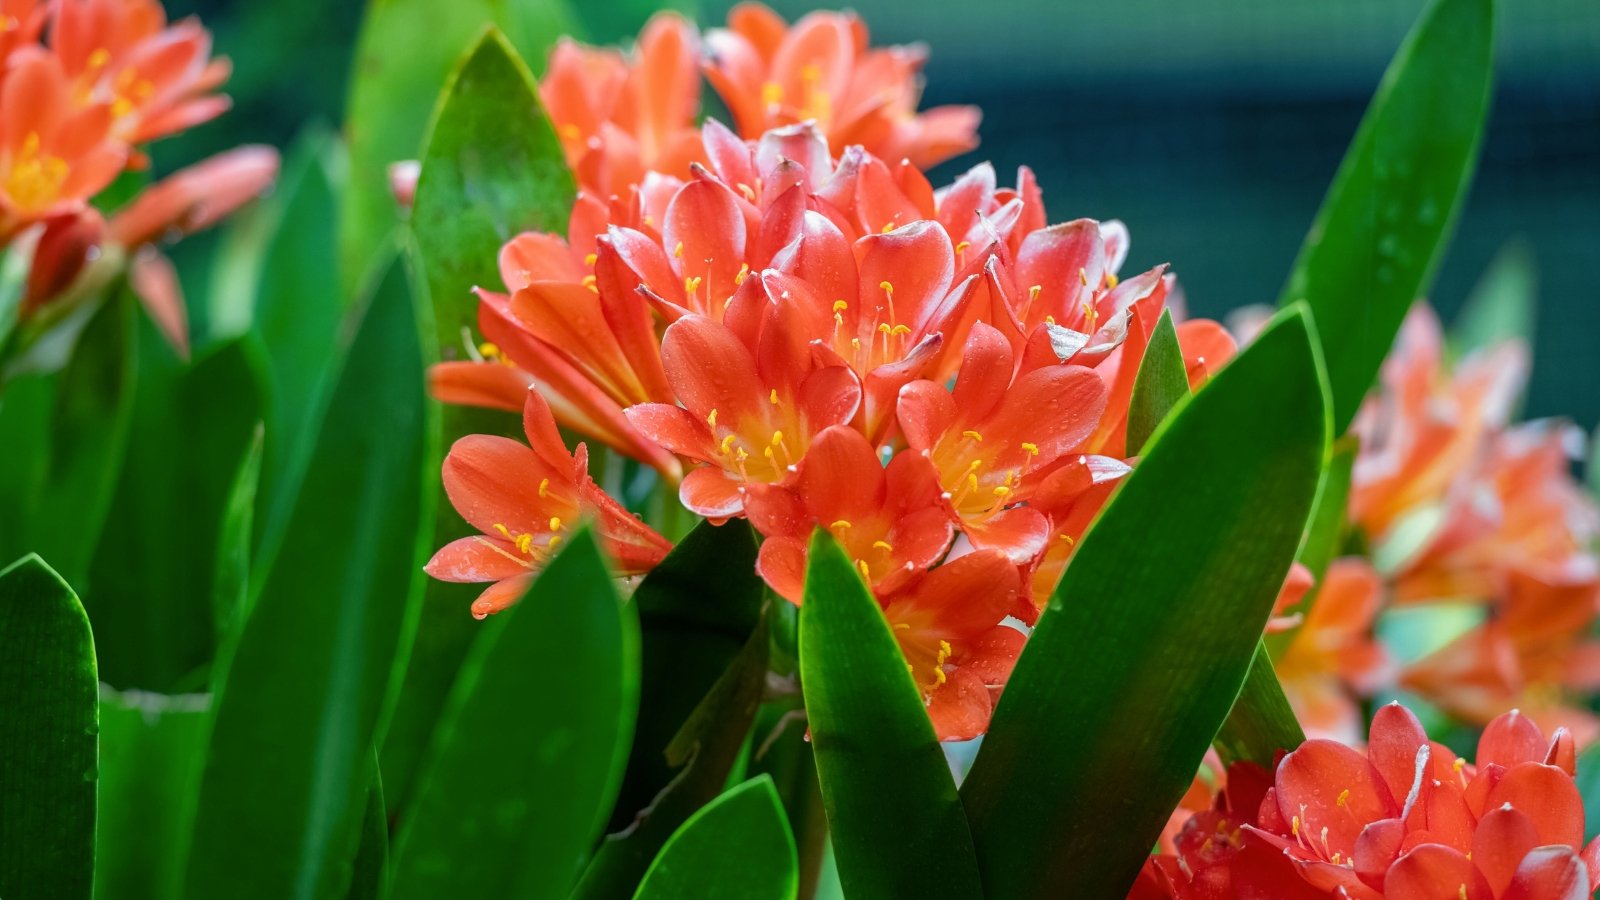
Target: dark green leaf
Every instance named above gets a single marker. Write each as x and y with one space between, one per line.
1261 722
298 317
1163 380
371 879
492 168
528 755
1382 229
738 847
315 665
1588 781
881 768
150 596
703 752
405 51
1503 305
152 747
1148 638
61 442
48 690
230 591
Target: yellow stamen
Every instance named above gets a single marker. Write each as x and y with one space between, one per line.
777 436
885 546
1083 276
589 260
771 93
1030 448
974 435
555 523
690 285
1344 797
744 272
677 252
727 443
1111 280
711 418
772 396
504 531
524 543
544 486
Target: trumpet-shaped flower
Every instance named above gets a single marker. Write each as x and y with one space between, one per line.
749 417
822 69
525 499
1332 660
887 519
948 625
992 439
54 154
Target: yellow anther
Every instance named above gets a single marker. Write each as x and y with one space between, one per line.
555 523
555 541
744 272
771 93
887 227
902 626
544 486
885 328
944 652
767 452
885 546
772 396
1050 320
590 282
866 573
777 437
840 306
855 343
1294 826
1458 765
488 350
1462 892
1344 797
1111 280
972 482
677 252
570 132
1033 292
962 247
590 259
711 418
1030 448
900 329
504 531
690 285
939 678
811 72
886 287
1083 276
739 455
524 543
975 436
1002 491
1068 539
727 443
98 58
975 465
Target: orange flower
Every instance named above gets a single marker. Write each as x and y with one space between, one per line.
992 439
156 79
619 116
823 70
1332 660
887 519
525 498
54 155
948 624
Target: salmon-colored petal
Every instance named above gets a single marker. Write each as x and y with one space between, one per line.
841 477
711 493
1549 873
492 481
960 707
710 369
1435 872
1020 533
705 234
501 595
1207 347
1393 744
476 558
968 595
1503 837
829 396
1510 739
674 428
568 318
535 256
985 372
1324 784
1054 409
155 281
782 564
1547 796
492 385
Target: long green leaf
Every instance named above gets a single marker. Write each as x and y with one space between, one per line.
737 848
62 437
405 51
1261 722
492 168
314 669
880 765
298 317
704 751
527 759
371 868
1503 304
1150 634
1382 229
1163 380
152 747
48 736
153 574
230 587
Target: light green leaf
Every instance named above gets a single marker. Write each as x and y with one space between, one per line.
405 51
1261 722
48 736
1503 305
737 848
230 591
315 667
1588 781
879 763
1382 229
371 879
152 747
527 757
1149 637
1163 380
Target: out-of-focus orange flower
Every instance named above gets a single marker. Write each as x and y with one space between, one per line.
155 78
54 154
1332 659
823 69
620 116
525 499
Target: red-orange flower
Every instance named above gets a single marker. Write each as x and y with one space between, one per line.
750 417
948 624
1332 660
992 439
54 154
525 498
888 519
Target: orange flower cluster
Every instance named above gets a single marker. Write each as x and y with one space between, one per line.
621 116
1406 820
1469 512
809 338
84 83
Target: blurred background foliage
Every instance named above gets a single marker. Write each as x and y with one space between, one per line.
1211 129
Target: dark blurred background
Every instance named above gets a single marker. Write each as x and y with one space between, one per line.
1211 129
